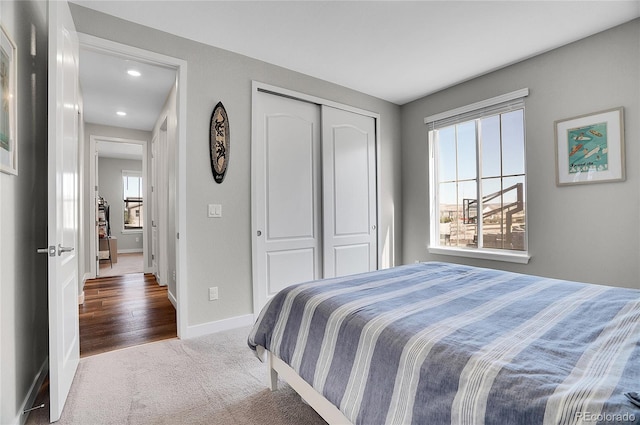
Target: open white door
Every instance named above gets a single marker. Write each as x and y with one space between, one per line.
96 230
64 336
349 186
154 206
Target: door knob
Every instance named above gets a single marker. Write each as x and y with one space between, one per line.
50 250
62 249
259 233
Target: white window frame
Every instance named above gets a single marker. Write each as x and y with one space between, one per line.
493 106
130 173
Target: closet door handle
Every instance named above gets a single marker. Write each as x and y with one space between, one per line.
259 232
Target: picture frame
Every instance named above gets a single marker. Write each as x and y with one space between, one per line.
219 142
590 148
8 100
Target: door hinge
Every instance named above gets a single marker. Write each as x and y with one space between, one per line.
153 256
177 235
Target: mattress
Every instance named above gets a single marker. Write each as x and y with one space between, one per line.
438 343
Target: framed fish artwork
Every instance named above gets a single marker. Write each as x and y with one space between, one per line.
590 148
219 142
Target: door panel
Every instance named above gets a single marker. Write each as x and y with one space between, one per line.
351 176
285 268
351 259
286 154
64 340
349 192
290 177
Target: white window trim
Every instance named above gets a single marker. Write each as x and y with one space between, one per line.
507 97
521 257
131 173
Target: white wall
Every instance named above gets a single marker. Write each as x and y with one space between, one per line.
587 233
219 250
23 219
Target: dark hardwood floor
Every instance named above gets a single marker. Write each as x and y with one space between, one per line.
123 311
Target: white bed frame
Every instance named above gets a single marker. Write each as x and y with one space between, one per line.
313 398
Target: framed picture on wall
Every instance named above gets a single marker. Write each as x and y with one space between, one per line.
590 148
8 111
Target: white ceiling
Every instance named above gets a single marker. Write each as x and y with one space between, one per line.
107 89
395 50
119 150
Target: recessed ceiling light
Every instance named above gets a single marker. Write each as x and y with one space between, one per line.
121 113
134 73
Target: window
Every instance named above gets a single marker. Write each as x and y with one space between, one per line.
477 187
133 205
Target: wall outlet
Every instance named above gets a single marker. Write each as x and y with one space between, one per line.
213 293
137 238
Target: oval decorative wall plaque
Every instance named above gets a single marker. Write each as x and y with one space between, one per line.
219 139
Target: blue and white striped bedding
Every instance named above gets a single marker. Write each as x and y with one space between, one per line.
437 343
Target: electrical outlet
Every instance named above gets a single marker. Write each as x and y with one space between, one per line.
213 293
137 238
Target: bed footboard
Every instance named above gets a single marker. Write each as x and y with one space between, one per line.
321 405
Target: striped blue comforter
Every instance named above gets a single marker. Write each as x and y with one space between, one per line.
438 343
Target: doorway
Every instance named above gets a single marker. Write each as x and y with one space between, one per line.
121 130
122 185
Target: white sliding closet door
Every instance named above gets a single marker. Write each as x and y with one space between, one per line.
287 206
349 192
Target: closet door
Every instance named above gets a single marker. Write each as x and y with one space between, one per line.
349 192
286 184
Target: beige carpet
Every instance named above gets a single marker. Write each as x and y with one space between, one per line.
215 379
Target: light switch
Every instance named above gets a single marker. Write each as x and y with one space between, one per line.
215 210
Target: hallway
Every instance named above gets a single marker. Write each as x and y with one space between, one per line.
122 311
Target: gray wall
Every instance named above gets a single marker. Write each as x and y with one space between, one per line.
219 251
23 219
587 233
110 188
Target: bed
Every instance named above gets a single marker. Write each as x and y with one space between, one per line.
438 343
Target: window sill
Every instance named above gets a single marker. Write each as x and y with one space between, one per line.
483 254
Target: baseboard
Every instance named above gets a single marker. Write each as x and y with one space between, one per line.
81 298
219 326
33 392
173 300
129 251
